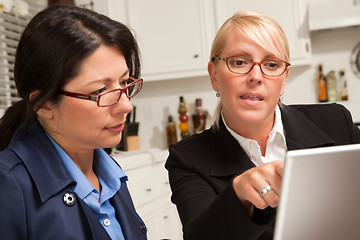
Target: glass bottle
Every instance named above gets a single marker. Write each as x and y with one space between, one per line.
332 87
199 118
171 132
322 85
183 117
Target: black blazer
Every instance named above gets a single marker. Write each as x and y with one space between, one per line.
201 169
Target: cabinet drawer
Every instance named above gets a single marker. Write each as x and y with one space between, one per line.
163 180
142 185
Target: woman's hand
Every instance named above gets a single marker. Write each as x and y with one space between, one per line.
247 186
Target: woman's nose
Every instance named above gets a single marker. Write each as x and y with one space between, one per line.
255 76
123 105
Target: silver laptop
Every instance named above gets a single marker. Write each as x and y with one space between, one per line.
320 195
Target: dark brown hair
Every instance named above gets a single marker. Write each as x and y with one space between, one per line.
49 54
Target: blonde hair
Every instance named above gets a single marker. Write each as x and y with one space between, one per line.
260 28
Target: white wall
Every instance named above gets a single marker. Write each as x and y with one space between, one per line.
159 99
333 49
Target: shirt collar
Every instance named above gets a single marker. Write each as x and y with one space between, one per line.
109 173
251 147
278 128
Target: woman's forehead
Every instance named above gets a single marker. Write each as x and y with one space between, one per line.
236 38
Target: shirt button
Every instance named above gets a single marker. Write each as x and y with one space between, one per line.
143 228
106 222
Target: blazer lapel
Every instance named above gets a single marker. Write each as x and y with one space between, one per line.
301 133
97 230
132 226
52 176
225 147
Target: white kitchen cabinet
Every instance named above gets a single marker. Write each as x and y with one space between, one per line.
291 14
162 220
99 6
174 36
338 14
150 190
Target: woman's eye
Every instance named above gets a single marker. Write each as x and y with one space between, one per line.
272 65
98 91
123 83
238 62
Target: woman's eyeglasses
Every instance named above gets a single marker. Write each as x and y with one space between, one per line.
111 97
243 65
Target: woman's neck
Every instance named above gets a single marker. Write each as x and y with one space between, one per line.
258 132
85 162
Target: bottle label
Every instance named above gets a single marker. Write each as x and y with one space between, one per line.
322 91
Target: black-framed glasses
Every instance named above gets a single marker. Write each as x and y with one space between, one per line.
109 98
243 65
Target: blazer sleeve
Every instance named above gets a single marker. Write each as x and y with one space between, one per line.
333 119
206 214
354 131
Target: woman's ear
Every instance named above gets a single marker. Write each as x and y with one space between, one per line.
212 74
45 110
284 82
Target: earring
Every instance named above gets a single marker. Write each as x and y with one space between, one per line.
217 94
281 98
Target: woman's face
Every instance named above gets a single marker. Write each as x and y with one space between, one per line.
249 99
81 124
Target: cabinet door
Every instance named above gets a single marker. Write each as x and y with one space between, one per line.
96 5
170 224
290 14
142 186
151 217
173 36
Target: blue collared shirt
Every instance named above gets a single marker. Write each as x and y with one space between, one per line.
111 179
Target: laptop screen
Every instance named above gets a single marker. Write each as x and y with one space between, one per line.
320 194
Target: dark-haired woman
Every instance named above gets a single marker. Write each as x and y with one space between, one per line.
75 71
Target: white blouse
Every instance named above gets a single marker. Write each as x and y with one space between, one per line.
275 145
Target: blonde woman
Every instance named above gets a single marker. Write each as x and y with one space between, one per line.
226 181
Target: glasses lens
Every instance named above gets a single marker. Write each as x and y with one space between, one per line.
112 97
109 98
273 67
239 64
134 89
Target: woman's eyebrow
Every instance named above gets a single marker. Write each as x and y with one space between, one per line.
241 53
108 79
271 56
124 74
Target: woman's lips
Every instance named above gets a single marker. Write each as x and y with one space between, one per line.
252 97
116 129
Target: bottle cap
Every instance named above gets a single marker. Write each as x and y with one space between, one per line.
320 66
198 102
170 118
